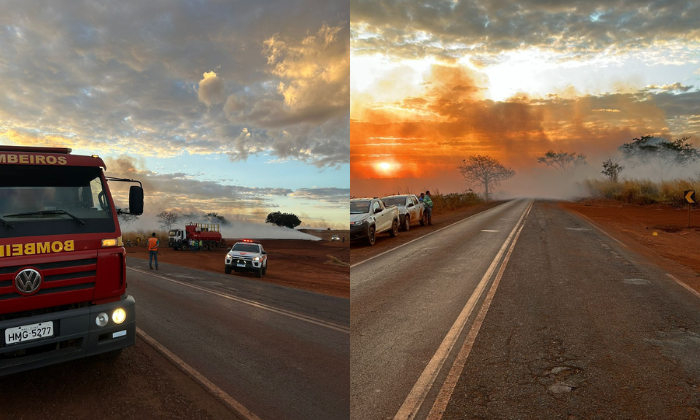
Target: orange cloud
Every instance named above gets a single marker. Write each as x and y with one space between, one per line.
430 134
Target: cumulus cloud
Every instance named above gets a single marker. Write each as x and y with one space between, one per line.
450 29
326 197
302 113
211 89
156 78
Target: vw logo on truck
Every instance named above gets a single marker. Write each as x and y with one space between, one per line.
27 281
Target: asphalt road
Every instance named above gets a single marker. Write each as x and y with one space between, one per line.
282 353
582 328
550 318
406 301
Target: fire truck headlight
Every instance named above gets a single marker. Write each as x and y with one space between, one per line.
102 319
112 242
118 316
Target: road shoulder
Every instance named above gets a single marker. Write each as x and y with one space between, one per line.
141 383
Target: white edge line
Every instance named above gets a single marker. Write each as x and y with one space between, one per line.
419 392
443 398
427 234
217 392
690 289
253 303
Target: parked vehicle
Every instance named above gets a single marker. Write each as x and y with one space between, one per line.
208 233
410 209
369 217
335 238
246 255
62 262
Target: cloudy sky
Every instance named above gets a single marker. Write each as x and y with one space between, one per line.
236 107
435 82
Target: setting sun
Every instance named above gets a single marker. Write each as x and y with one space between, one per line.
385 166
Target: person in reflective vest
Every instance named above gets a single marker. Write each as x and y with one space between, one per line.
428 203
153 250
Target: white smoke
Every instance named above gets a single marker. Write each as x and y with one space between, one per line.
236 229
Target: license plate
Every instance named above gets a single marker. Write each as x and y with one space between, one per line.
29 332
240 265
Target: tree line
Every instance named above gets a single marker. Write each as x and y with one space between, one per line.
489 173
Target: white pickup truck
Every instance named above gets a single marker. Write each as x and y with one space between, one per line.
369 216
410 209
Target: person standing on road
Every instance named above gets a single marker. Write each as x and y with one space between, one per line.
153 250
343 238
201 245
192 245
422 196
428 203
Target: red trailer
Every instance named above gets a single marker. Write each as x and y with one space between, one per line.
208 233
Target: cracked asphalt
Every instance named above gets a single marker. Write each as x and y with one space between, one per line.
582 328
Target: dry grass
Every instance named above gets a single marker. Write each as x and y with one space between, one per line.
333 260
455 201
447 202
162 236
643 191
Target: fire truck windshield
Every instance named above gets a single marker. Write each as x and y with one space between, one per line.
39 200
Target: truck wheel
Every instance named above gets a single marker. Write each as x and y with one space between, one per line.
110 355
227 270
407 223
258 273
370 236
394 228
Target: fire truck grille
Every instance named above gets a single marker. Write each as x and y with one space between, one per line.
60 276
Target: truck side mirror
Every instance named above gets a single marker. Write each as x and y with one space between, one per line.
135 200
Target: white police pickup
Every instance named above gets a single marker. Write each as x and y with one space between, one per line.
246 255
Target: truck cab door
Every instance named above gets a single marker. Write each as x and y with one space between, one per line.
378 220
385 217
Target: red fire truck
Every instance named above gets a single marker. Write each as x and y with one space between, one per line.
208 233
62 263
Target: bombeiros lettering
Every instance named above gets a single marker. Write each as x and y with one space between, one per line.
35 248
32 159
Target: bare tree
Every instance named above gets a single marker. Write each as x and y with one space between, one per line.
565 163
612 169
167 219
484 170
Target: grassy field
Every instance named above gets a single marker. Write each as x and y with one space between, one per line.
455 201
643 191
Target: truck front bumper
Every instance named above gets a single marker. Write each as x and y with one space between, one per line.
359 231
76 335
248 265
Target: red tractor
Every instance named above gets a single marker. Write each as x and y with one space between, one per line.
208 233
